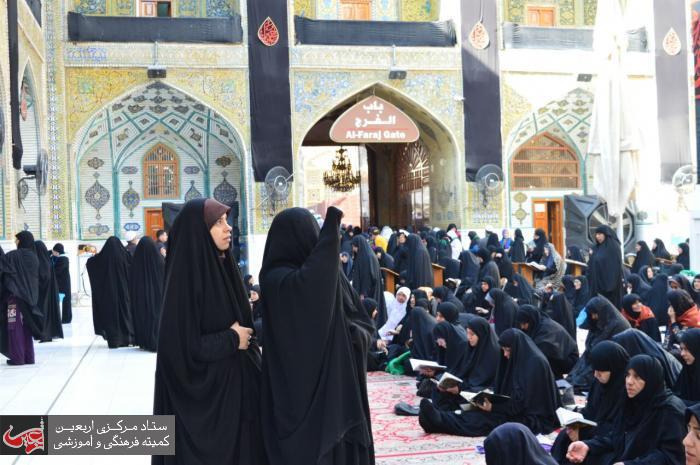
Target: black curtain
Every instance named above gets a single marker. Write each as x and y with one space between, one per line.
270 108
14 83
672 88
482 95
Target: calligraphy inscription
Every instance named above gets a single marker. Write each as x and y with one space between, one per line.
374 120
111 435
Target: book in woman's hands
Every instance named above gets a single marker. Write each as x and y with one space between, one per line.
417 364
447 381
477 398
567 418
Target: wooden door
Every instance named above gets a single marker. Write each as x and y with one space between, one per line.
540 16
555 221
355 10
154 221
548 215
149 8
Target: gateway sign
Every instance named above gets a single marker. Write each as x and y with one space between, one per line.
374 120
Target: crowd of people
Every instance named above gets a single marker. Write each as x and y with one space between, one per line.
324 315
35 297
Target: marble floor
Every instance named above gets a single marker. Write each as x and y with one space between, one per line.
79 375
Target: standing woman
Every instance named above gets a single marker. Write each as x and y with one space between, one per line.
208 368
517 248
146 292
419 271
659 250
109 281
21 318
48 296
605 275
317 335
61 265
683 255
366 276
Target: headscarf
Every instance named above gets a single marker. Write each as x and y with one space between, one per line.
643 258
422 325
454 356
549 336
639 287
25 240
347 266
504 310
561 311
660 251
687 385
527 378
517 248
482 360
59 249
469 268
657 298
643 274
419 271
366 276
540 242
576 254
605 273
637 342
635 318
449 312
519 288
582 295
395 310
317 337
687 314
514 444
146 292
603 405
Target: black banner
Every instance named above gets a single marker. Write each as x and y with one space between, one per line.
14 83
481 89
270 107
672 88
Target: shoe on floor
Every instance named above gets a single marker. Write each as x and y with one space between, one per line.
406 410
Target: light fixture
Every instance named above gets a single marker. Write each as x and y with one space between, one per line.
341 178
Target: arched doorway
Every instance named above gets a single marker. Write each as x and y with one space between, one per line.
401 185
153 145
32 204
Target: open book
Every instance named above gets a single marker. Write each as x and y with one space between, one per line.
568 418
537 265
447 381
417 364
477 398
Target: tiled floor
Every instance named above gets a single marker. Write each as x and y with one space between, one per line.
79 375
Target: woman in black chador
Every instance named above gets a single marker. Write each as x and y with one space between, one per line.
109 281
366 277
314 393
605 275
146 292
48 296
208 367
61 265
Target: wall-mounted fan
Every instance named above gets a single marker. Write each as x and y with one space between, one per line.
38 172
276 189
683 181
489 178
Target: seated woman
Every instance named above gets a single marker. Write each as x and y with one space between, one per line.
550 337
636 342
504 310
682 314
687 386
523 375
691 442
650 429
603 321
603 405
640 316
552 268
520 290
514 444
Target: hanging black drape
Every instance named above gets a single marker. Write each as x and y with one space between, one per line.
481 89
270 110
14 83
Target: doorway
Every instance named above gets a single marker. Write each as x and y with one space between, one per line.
154 221
548 214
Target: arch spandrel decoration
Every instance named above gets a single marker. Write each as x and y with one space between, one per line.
205 154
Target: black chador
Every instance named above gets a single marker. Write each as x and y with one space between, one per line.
48 296
202 377
367 278
109 282
146 293
61 265
314 394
